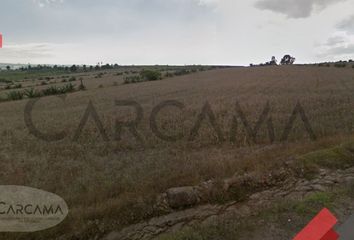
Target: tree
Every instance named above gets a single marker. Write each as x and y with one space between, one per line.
73 68
8 68
287 60
273 61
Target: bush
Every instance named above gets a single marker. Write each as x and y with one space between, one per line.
31 93
15 95
340 65
150 75
182 72
53 90
169 74
132 79
17 86
72 79
3 80
67 88
100 75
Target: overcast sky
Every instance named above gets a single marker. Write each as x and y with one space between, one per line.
232 32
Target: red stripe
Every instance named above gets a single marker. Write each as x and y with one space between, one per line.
319 227
0 40
331 235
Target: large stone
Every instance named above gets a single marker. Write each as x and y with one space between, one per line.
182 197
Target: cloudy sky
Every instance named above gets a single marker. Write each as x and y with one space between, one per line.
230 32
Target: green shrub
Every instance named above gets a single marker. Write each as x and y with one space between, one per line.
53 90
182 72
150 75
17 86
323 64
338 157
3 80
67 88
132 79
340 65
15 95
72 79
32 93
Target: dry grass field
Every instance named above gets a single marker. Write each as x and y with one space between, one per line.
112 184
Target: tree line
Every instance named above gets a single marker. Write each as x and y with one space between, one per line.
72 68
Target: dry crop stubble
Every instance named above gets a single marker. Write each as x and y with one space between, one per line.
116 181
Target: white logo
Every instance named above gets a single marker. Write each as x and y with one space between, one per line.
25 209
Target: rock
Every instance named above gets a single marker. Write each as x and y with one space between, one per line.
162 203
318 187
349 180
207 190
303 188
322 172
182 197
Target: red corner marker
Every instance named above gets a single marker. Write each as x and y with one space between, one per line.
0 40
320 228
